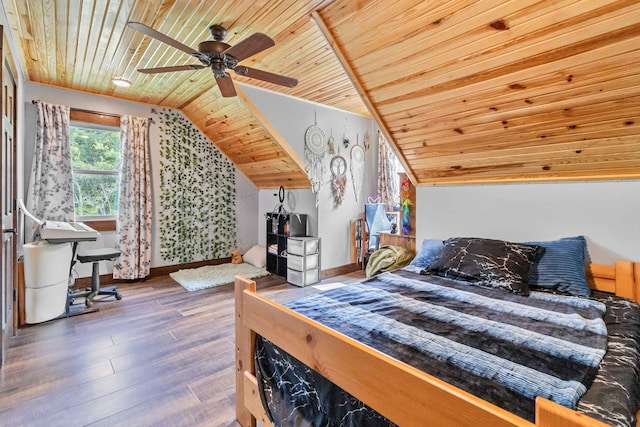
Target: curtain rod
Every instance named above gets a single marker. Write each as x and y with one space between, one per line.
92 111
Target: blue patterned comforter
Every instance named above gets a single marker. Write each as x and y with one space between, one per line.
502 347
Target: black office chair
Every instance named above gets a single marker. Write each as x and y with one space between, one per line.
95 256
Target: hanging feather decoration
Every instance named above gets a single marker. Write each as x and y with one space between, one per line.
338 167
406 224
405 207
357 168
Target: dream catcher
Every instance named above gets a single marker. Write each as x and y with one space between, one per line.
357 167
315 150
338 167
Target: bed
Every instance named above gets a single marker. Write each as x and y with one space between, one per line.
394 386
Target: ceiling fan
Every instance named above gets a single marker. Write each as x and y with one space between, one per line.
220 57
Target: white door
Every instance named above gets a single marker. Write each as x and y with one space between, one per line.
8 187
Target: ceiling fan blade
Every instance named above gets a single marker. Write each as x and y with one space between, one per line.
253 44
266 76
227 89
169 69
163 38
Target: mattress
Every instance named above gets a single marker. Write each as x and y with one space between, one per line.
504 348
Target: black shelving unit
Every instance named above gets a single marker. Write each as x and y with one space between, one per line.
279 228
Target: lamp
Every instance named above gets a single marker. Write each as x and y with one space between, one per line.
120 82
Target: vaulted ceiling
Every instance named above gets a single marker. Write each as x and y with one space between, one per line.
466 91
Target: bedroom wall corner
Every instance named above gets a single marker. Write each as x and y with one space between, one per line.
247 204
330 221
246 192
89 102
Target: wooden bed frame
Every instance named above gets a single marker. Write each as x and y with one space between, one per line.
385 384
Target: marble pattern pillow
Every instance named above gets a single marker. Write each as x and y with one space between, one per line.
486 262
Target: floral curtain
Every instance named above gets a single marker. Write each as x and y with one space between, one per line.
50 192
134 209
388 187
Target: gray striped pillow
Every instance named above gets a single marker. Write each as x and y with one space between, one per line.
562 266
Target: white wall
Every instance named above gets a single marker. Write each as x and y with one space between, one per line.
606 213
291 118
246 192
247 204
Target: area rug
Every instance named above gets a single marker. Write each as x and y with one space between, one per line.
194 279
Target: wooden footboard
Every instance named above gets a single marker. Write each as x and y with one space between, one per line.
248 403
395 385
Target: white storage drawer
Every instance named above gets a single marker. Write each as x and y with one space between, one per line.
303 260
302 263
303 245
305 278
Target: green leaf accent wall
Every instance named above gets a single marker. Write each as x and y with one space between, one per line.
197 194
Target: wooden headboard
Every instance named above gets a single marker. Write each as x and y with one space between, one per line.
622 278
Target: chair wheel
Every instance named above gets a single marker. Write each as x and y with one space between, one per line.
88 302
118 297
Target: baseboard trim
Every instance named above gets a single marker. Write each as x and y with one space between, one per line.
339 271
106 279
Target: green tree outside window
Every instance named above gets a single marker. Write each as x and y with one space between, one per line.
95 159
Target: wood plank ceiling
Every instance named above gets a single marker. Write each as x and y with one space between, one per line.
83 44
492 91
467 91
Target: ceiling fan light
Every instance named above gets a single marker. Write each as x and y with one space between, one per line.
120 82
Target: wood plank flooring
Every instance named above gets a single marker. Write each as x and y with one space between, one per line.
161 356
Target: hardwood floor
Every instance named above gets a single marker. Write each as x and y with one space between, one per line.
161 356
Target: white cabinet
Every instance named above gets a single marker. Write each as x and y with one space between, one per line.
303 263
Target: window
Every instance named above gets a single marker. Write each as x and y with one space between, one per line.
95 160
399 170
